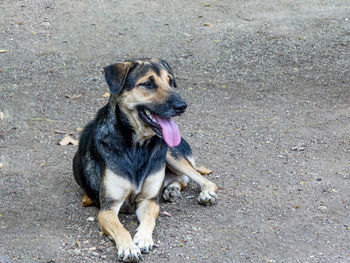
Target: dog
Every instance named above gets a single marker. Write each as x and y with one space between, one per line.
133 150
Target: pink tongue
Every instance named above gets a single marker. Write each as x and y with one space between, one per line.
170 131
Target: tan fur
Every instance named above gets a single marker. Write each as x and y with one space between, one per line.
183 167
139 95
151 186
120 189
111 226
116 187
147 212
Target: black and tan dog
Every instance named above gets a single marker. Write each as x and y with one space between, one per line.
132 149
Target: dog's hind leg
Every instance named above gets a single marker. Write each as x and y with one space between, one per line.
114 192
173 185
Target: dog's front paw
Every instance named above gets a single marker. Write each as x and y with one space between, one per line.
129 253
172 192
144 242
208 195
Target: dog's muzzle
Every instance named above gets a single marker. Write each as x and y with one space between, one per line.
159 119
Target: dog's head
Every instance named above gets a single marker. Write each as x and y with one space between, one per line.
145 92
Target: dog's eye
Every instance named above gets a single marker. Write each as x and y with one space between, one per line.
172 83
147 85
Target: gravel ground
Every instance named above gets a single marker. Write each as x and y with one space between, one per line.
267 84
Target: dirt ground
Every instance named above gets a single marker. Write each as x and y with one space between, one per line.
267 84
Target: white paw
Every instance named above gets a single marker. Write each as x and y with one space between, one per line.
207 197
144 242
171 192
129 253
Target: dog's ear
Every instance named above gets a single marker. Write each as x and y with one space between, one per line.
116 75
167 66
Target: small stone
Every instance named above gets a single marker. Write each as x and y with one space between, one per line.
90 219
323 207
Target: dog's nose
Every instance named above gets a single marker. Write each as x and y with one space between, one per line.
180 107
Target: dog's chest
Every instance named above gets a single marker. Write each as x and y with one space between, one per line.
141 161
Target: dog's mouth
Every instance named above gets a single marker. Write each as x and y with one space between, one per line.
164 128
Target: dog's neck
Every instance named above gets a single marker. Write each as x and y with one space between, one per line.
129 119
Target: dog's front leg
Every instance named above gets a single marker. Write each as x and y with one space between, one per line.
182 166
111 226
114 191
147 212
147 209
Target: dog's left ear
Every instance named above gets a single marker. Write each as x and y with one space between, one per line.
116 74
167 66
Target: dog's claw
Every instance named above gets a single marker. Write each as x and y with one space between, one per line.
145 243
207 197
129 253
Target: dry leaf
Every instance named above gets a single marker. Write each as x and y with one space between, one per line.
79 129
1 165
86 201
2 115
165 213
78 243
106 95
3 51
68 140
203 170
208 24
74 97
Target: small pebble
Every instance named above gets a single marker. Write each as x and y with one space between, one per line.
323 207
90 219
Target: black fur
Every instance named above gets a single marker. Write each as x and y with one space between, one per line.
107 141
182 150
